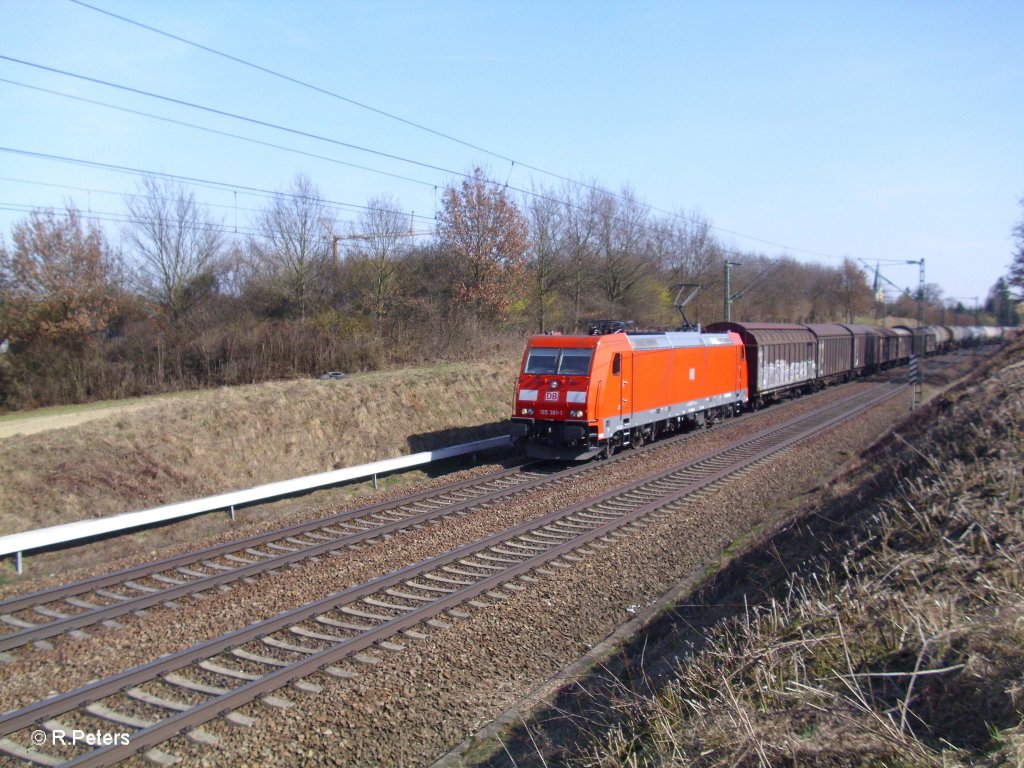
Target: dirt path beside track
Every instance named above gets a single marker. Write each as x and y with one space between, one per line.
30 425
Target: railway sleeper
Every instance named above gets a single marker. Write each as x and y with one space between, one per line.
526 547
42 610
445 580
173 678
282 547
104 712
555 537
111 595
261 555
182 570
363 614
216 566
163 578
277 702
339 672
284 645
156 701
572 529
256 658
600 517
351 626
500 550
407 595
467 561
323 636
319 536
491 558
219 669
235 559
430 587
529 540
374 602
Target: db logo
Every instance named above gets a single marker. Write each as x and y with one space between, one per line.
551 396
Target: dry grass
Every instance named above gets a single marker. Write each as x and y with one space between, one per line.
904 646
231 438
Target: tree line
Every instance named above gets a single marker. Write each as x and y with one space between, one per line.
180 301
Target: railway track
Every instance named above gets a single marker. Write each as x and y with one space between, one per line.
40 616
180 692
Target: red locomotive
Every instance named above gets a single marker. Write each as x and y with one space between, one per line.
579 396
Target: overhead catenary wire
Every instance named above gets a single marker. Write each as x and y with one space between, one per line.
419 126
391 156
289 78
232 115
207 183
207 129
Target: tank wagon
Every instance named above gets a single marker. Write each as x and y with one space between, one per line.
578 396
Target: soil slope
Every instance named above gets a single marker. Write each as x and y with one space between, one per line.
175 449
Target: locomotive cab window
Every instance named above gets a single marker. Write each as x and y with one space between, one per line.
567 361
617 364
575 362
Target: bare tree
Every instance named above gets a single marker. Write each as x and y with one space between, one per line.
853 290
380 242
624 246
687 249
177 247
580 223
546 216
293 252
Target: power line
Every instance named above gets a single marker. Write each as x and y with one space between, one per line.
296 81
227 134
114 217
232 115
337 142
419 126
191 180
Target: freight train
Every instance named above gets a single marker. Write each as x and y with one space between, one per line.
578 397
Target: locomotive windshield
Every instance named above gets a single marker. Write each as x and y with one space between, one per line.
567 361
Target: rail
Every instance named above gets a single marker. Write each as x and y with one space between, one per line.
25 541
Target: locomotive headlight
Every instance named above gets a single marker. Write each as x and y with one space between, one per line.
576 414
526 411
553 384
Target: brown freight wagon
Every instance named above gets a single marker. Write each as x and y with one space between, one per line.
834 351
780 356
867 348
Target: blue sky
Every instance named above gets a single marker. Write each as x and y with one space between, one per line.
874 130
